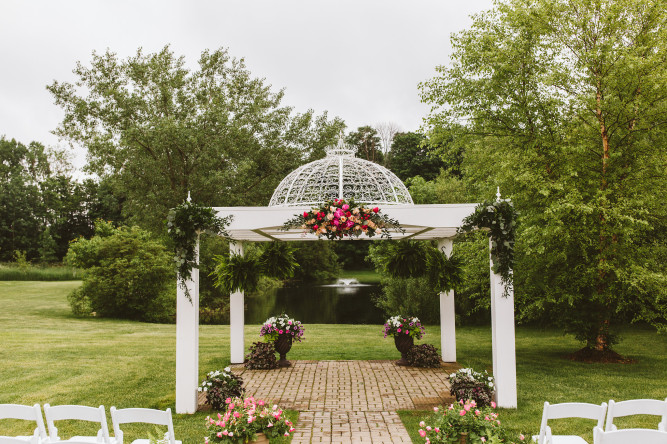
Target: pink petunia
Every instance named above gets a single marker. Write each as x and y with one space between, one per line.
462 412
422 433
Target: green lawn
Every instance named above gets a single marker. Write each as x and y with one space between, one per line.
47 355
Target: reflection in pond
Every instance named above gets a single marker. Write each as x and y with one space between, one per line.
347 302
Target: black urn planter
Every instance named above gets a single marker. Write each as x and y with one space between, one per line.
282 345
403 345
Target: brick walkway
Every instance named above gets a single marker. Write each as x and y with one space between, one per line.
349 401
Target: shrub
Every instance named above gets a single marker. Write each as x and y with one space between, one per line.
220 385
262 356
468 384
79 302
128 275
424 355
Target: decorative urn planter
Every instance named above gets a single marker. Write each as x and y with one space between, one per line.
403 345
462 440
261 439
283 345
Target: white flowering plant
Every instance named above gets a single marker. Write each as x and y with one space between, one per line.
220 385
403 325
281 325
468 384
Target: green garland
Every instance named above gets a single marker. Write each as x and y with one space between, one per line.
499 217
184 223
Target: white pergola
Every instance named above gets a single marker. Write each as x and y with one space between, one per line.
421 222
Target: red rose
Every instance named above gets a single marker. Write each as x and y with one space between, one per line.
315 227
364 227
348 214
376 209
305 214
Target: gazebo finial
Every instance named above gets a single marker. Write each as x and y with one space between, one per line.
498 194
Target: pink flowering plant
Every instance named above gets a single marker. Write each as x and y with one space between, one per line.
281 325
479 424
403 325
245 418
340 218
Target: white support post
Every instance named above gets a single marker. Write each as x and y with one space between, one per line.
503 342
236 317
447 313
187 342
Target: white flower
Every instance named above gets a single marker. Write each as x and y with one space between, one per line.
228 369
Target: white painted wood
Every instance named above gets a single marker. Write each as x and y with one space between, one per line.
148 416
447 313
503 342
236 317
187 343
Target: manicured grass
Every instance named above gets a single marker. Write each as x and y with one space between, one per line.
47 355
39 273
363 276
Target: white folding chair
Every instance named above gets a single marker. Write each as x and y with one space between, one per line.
27 413
149 416
636 407
568 410
81 413
14 440
630 436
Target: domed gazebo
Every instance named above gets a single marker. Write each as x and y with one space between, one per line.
342 175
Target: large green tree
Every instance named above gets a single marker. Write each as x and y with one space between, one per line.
411 156
160 130
564 105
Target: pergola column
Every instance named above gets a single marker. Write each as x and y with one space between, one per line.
502 336
236 317
447 313
187 342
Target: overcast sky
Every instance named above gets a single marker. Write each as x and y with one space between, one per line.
360 60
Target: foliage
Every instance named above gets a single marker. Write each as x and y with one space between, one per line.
261 356
564 104
411 295
213 301
150 122
367 142
443 189
341 218
278 261
11 272
245 418
283 324
499 218
468 384
220 385
184 224
424 355
403 325
479 423
411 156
318 262
127 275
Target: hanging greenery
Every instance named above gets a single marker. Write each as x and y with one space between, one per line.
184 224
408 258
499 218
242 272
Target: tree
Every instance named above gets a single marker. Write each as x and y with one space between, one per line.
367 142
386 131
564 104
161 130
411 156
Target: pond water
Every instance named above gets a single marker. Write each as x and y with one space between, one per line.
339 303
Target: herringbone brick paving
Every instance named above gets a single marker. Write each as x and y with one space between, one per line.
349 401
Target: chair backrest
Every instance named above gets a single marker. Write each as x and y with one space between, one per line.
77 412
149 416
569 410
27 413
10 440
636 407
625 436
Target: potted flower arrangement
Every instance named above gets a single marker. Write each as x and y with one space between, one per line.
247 420
467 384
282 331
340 218
465 422
404 329
220 385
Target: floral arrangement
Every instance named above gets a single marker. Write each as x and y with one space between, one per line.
478 424
340 218
220 385
244 419
467 384
283 324
403 325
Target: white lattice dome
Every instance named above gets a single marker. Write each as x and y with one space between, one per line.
340 175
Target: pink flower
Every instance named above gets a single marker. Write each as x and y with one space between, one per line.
286 433
428 428
493 404
399 330
483 439
407 332
462 413
477 412
435 409
422 433
219 434
237 415
437 430
521 437
422 424
280 331
346 206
